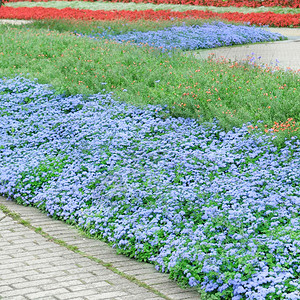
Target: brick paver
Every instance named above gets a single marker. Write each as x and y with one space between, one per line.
34 267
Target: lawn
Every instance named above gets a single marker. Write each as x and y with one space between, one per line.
191 165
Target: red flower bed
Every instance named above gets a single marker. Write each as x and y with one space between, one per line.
38 13
218 3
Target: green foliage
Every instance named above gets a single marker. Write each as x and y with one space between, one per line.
232 93
111 27
38 177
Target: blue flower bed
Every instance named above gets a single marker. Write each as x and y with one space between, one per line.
209 35
219 211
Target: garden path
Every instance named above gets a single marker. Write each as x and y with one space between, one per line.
14 22
282 54
43 258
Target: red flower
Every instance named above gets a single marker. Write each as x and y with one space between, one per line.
237 3
38 13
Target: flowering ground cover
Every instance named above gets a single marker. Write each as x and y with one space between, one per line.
40 13
209 35
219 211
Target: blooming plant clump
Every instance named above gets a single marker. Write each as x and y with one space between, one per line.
217 210
41 13
194 37
289 125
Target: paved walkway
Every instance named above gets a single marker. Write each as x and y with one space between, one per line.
37 261
283 54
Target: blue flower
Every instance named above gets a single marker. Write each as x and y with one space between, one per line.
209 35
198 202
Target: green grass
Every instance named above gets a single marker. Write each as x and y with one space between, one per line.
112 27
232 93
98 5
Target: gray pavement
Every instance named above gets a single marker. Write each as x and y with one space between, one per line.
35 266
282 54
15 22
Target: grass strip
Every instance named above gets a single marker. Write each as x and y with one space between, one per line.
232 93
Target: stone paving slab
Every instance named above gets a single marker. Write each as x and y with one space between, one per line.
290 33
14 22
282 54
34 267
